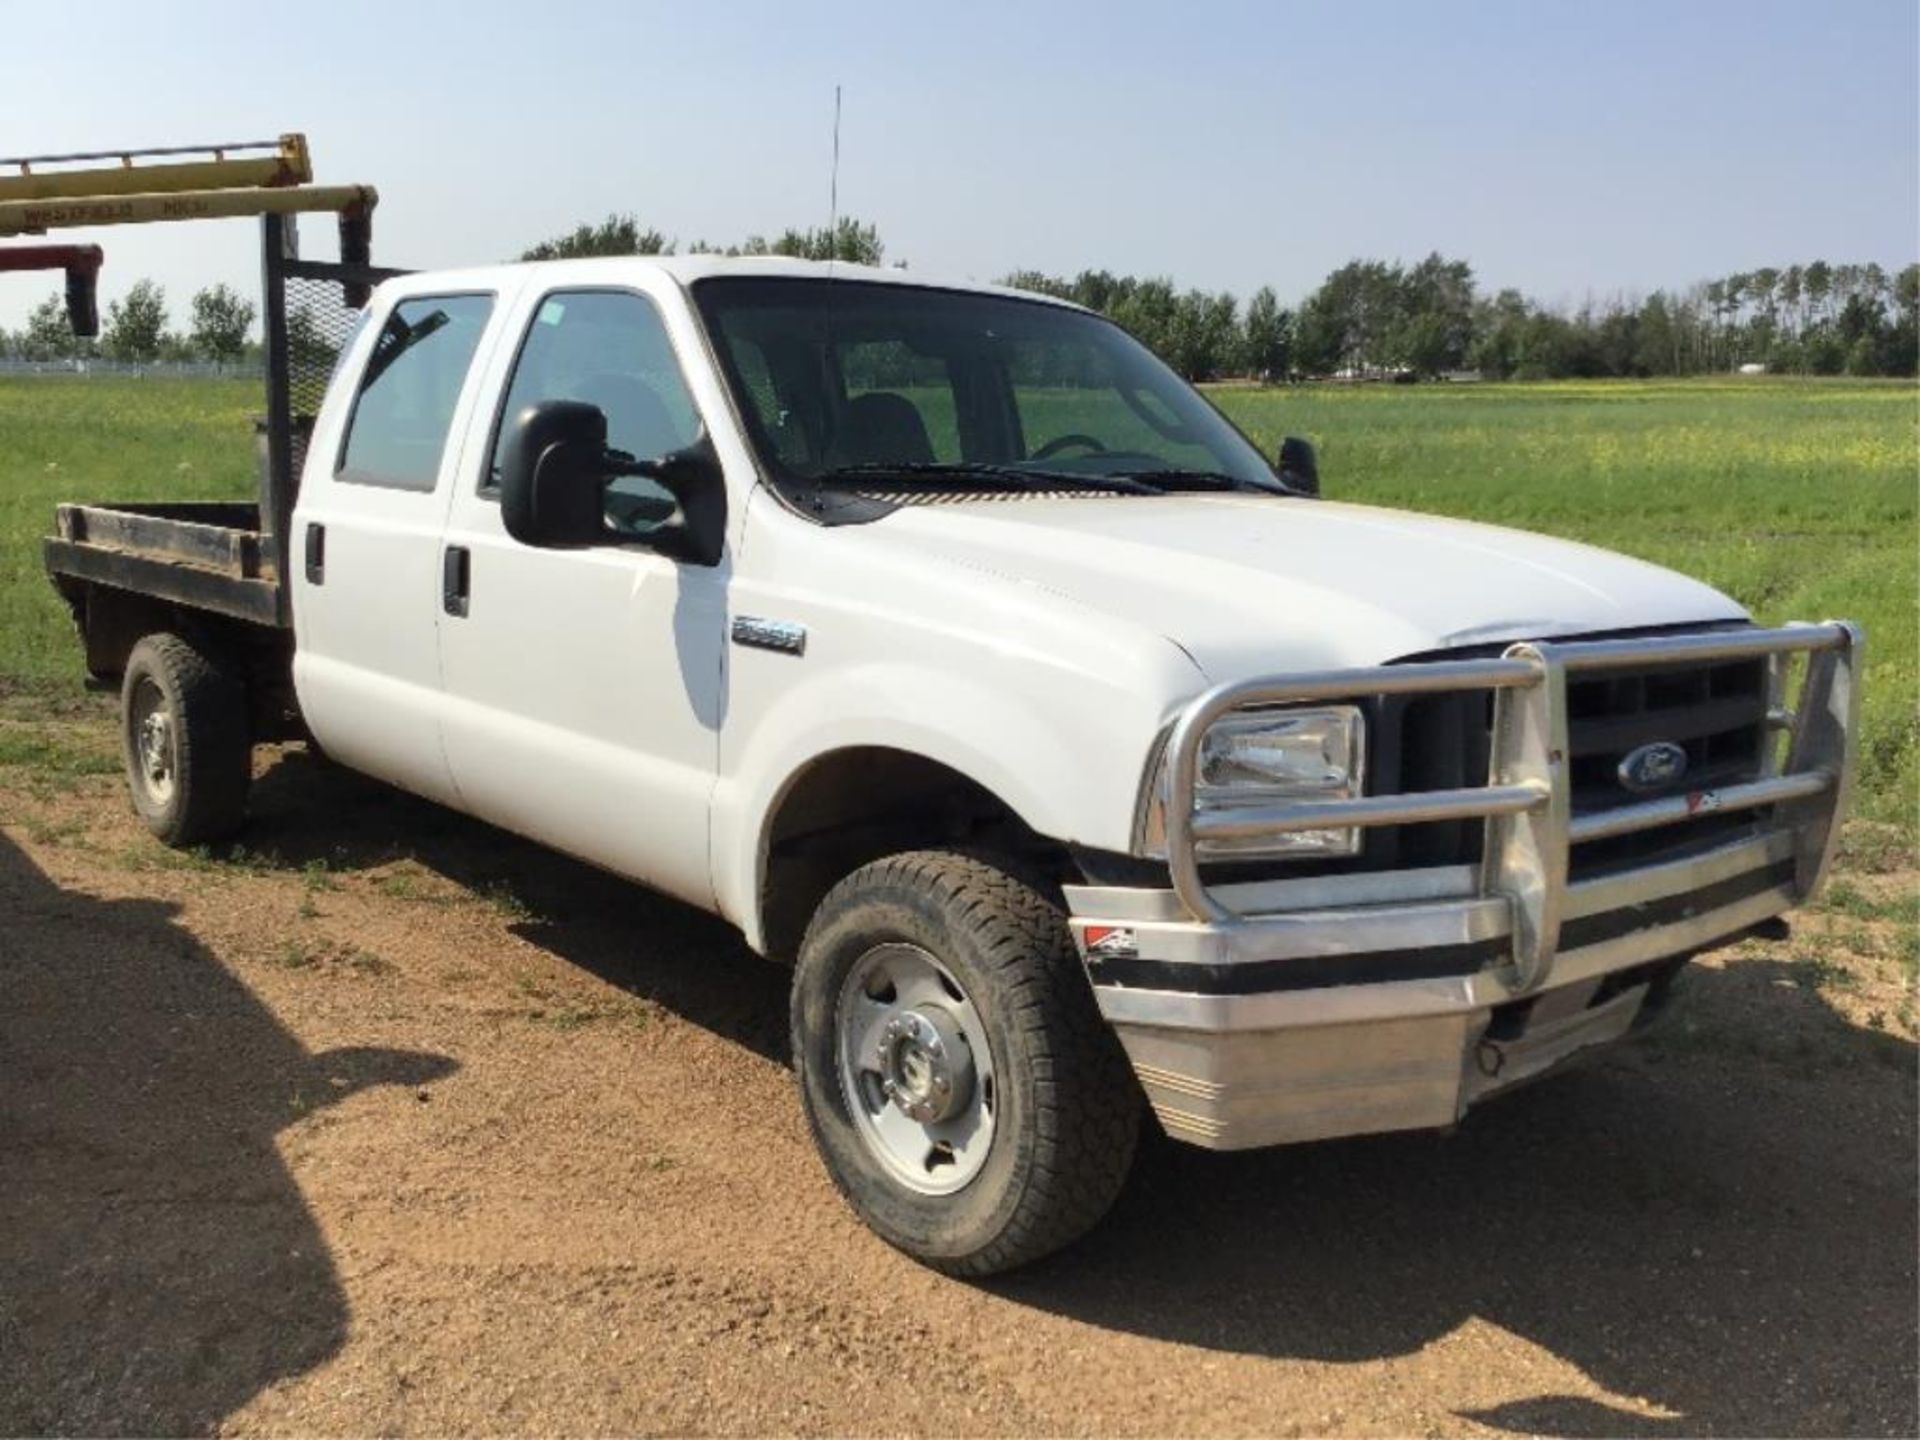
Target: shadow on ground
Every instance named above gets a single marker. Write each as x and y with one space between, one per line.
158 1266
1720 1220
694 965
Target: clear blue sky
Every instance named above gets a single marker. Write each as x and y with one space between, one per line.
1563 148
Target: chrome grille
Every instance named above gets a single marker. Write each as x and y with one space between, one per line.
1716 713
1533 831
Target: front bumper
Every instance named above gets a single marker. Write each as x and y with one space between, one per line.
1293 1010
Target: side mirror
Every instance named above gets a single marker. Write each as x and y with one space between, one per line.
1299 466
554 472
694 478
553 475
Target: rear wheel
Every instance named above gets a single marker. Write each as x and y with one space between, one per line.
960 1084
185 739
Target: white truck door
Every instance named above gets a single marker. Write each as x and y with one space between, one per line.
366 543
584 687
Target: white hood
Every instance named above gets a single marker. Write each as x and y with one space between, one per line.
1248 585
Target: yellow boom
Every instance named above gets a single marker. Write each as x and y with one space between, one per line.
153 172
35 217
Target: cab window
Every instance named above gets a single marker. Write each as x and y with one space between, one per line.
404 407
608 348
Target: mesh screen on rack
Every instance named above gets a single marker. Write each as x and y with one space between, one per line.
318 326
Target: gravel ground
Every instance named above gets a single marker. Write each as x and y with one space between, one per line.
390 1122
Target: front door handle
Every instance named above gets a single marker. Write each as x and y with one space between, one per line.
456 576
316 553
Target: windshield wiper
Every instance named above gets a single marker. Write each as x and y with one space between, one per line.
1018 476
1202 480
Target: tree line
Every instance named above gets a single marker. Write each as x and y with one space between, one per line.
1812 319
137 329
1377 319
846 239
1369 319
1374 319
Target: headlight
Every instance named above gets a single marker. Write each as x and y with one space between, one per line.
1269 758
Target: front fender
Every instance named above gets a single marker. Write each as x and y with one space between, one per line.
1069 765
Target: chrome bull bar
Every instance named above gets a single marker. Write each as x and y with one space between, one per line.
1526 804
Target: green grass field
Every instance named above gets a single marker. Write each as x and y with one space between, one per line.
1798 498
102 438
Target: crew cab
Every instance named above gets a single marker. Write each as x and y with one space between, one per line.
1085 766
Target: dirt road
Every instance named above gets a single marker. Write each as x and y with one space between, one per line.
389 1122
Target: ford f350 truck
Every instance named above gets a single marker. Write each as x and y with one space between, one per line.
1084 765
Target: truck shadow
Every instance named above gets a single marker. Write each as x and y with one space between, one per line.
1721 1219
158 1265
690 963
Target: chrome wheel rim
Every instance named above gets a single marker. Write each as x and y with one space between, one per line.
150 728
916 1069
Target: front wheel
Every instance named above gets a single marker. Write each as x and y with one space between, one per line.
960 1084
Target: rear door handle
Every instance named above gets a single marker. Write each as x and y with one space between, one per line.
316 553
456 575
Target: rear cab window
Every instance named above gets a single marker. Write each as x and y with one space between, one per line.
403 409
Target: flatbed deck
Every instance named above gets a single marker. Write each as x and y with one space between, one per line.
208 556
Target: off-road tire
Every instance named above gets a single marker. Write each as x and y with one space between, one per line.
1068 1107
205 709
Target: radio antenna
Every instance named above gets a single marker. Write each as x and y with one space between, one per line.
829 357
833 185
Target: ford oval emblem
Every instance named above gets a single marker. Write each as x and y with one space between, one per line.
1653 767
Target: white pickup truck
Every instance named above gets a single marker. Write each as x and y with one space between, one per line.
1082 763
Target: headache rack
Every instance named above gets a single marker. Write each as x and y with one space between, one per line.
1527 805
221 557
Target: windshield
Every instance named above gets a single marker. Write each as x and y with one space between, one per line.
845 379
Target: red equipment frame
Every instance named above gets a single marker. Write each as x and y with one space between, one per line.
82 265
